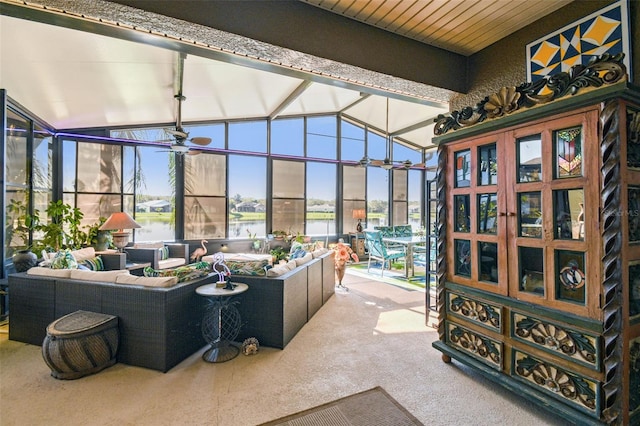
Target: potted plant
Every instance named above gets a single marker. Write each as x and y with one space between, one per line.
63 231
18 225
96 238
278 254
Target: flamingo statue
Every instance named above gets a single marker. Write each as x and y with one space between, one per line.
218 266
199 252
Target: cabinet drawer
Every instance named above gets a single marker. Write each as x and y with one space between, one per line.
477 311
573 345
580 392
479 346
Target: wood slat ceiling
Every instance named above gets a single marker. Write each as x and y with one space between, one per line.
461 26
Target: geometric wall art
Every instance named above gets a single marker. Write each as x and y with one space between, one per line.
604 31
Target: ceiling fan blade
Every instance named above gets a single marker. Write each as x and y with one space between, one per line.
194 152
419 165
177 133
376 162
200 140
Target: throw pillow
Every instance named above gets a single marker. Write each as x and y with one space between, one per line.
64 260
164 253
184 273
94 264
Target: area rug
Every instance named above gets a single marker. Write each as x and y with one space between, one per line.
393 277
373 407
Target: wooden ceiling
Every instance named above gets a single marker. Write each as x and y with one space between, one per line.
461 26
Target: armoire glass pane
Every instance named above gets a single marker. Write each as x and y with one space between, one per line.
568 214
634 213
463 168
530 214
529 159
487 165
531 262
488 253
487 213
462 218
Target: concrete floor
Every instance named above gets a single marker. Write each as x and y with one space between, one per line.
373 335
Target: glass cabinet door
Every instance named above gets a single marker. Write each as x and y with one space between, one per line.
478 244
548 219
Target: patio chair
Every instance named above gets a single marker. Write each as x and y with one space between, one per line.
403 231
378 251
388 232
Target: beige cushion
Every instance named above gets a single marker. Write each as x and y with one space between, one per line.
291 265
172 262
84 254
319 252
102 276
276 271
147 281
158 245
58 273
304 259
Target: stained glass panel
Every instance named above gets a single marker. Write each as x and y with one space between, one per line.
568 145
570 276
463 258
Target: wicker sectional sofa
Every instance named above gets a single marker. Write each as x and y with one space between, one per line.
159 326
275 308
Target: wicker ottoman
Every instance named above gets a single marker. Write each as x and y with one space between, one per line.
80 343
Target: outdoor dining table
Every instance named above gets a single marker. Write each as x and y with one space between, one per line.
408 243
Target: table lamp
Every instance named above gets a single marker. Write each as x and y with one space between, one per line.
120 222
359 214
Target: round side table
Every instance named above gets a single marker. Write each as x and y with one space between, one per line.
221 322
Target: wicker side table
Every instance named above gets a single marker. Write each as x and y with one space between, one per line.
80 343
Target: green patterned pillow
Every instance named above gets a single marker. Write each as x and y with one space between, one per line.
184 273
247 267
64 260
164 253
94 264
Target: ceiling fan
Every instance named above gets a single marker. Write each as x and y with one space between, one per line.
179 135
387 163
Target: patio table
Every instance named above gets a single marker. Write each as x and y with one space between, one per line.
408 243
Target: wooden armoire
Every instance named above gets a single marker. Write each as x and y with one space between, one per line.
539 241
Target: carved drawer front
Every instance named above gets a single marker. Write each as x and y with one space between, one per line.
479 312
573 345
475 344
574 389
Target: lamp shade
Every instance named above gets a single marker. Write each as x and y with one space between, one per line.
119 220
359 214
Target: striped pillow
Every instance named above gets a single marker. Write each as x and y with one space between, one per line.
94 264
164 253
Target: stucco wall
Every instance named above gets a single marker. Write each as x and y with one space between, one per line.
504 63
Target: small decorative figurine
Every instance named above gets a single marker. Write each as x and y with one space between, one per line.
250 346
